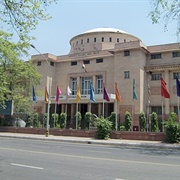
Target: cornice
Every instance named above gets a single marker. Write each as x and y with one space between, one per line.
162 67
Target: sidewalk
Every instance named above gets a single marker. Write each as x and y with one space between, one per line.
113 142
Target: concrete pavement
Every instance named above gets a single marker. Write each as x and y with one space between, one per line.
86 140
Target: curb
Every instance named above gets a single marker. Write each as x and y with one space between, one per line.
99 142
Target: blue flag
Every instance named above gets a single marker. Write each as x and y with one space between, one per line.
92 93
34 95
134 90
178 86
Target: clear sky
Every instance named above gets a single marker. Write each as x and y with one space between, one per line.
72 17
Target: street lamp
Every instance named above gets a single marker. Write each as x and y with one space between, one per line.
49 82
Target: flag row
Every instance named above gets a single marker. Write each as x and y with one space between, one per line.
164 92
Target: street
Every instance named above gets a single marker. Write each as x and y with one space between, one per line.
22 159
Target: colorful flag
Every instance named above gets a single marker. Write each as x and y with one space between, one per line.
164 91
78 95
46 95
105 94
69 91
34 95
178 86
58 92
134 90
84 67
118 97
92 93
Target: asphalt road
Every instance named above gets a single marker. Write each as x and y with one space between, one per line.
25 159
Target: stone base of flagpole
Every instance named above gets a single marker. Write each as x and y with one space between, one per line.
47 133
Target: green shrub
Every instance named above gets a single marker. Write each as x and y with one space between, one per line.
127 121
78 116
35 119
54 118
154 122
122 128
103 128
88 120
112 118
142 121
45 120
172 129
63 120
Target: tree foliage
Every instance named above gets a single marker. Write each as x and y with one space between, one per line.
16 76
167 11
23 15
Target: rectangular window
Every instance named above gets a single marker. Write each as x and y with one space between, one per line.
86 62
102 39
176 109
110 39
156 109
52 63
94 39
176 74
126 74
85 85
99 60
176 54
74 86
117 39
73 63
39 63
156 56
127 53
155 77
81 41
88 40
99 84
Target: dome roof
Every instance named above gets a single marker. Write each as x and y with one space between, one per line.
105 30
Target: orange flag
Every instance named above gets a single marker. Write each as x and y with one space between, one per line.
118 97
46 95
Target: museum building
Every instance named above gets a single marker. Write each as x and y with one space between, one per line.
103 57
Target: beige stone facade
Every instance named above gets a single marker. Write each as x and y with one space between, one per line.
110 55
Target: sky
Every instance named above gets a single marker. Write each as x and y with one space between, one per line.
73 17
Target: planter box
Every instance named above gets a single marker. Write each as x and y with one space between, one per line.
131 135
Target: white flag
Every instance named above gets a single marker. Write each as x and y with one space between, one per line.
69 91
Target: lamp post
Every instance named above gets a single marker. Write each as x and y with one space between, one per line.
49 83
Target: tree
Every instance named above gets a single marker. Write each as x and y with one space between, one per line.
167 10
22 16
16 76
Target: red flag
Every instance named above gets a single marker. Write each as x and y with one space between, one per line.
58 92
164 91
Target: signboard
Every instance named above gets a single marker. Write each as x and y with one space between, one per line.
8 109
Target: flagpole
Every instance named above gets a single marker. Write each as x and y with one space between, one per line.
76 115
178 110
162 115
116 112
103 107
90 112
133 109
55 113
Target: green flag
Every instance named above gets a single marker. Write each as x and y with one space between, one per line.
134 90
